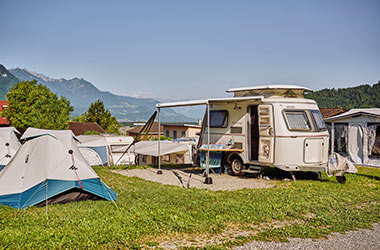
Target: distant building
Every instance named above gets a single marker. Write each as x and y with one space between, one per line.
152 132
80 128
3 121
329 112
178 131
124 130
169 130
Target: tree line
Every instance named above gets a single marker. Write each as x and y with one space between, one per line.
363 96
34 105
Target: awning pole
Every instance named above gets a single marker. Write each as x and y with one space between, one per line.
332 137
208 179
159 171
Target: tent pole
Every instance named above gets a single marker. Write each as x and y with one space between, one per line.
208 179
332 137
159 171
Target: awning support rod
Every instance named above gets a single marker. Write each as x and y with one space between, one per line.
332 137
208 179
159 171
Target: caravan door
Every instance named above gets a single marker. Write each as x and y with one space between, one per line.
266 132
254 133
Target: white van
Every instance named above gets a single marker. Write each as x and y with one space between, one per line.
260 126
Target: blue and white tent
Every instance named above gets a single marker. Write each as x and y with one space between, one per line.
9 144
48 168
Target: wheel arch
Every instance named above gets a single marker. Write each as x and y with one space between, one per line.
233 156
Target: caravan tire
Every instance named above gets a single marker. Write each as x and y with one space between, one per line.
341 179
237 166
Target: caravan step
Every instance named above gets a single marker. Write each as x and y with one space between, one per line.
251 171
254 167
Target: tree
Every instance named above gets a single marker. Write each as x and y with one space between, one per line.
363 96
97 113
34 105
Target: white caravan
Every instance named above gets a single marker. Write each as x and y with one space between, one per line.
117 147
260 126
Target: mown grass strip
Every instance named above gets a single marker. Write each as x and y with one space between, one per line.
150 212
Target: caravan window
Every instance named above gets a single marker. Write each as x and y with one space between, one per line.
218 118
297 120
119 148
340 137
318 120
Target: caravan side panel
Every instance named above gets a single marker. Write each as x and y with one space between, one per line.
291 152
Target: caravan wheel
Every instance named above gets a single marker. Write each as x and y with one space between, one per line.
237 166
341 179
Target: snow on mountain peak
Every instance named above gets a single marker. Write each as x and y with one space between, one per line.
41 76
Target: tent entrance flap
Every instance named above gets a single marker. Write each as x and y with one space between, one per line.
355 146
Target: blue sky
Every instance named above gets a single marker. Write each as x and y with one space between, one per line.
194 49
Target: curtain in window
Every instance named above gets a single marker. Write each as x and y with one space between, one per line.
297 120
340 138
346 137
317 116
371 134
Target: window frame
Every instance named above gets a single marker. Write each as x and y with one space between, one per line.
225 120
305 115
317 128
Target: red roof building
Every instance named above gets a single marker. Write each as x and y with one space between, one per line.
329 112
3 121
80 128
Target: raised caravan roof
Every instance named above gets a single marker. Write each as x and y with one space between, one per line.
271 90
246 94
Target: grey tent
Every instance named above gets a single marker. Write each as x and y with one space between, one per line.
356 135
48 168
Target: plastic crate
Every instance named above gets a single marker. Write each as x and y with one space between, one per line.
215 159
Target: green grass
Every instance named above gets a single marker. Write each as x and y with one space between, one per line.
149 212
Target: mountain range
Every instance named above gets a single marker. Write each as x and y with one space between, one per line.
7 80
82 93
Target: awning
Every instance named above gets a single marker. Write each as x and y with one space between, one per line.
166 147
207 101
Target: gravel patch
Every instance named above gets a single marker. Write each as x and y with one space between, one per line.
190 178
362 239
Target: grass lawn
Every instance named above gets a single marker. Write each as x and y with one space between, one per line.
149 212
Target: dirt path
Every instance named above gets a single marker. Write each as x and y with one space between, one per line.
190 178
361 239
